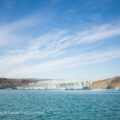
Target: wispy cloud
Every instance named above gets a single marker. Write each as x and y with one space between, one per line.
68 62
51 45
12 32
98 33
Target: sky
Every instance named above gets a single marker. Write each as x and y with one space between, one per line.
60 39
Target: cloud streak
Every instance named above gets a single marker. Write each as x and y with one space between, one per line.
13 32
68 62
51 49
99 33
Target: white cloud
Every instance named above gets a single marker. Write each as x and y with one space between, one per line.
53 44
68 62
98 33
12 32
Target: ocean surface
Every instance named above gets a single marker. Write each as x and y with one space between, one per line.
59 105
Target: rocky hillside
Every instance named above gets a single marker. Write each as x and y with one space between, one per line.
110 83
13 83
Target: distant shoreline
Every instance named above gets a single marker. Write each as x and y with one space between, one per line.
48 84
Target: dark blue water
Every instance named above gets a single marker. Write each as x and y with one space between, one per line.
59 105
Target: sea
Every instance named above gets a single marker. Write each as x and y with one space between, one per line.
59 105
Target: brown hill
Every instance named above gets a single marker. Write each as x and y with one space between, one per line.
110 83
12 83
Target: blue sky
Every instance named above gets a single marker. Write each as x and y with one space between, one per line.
66 39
